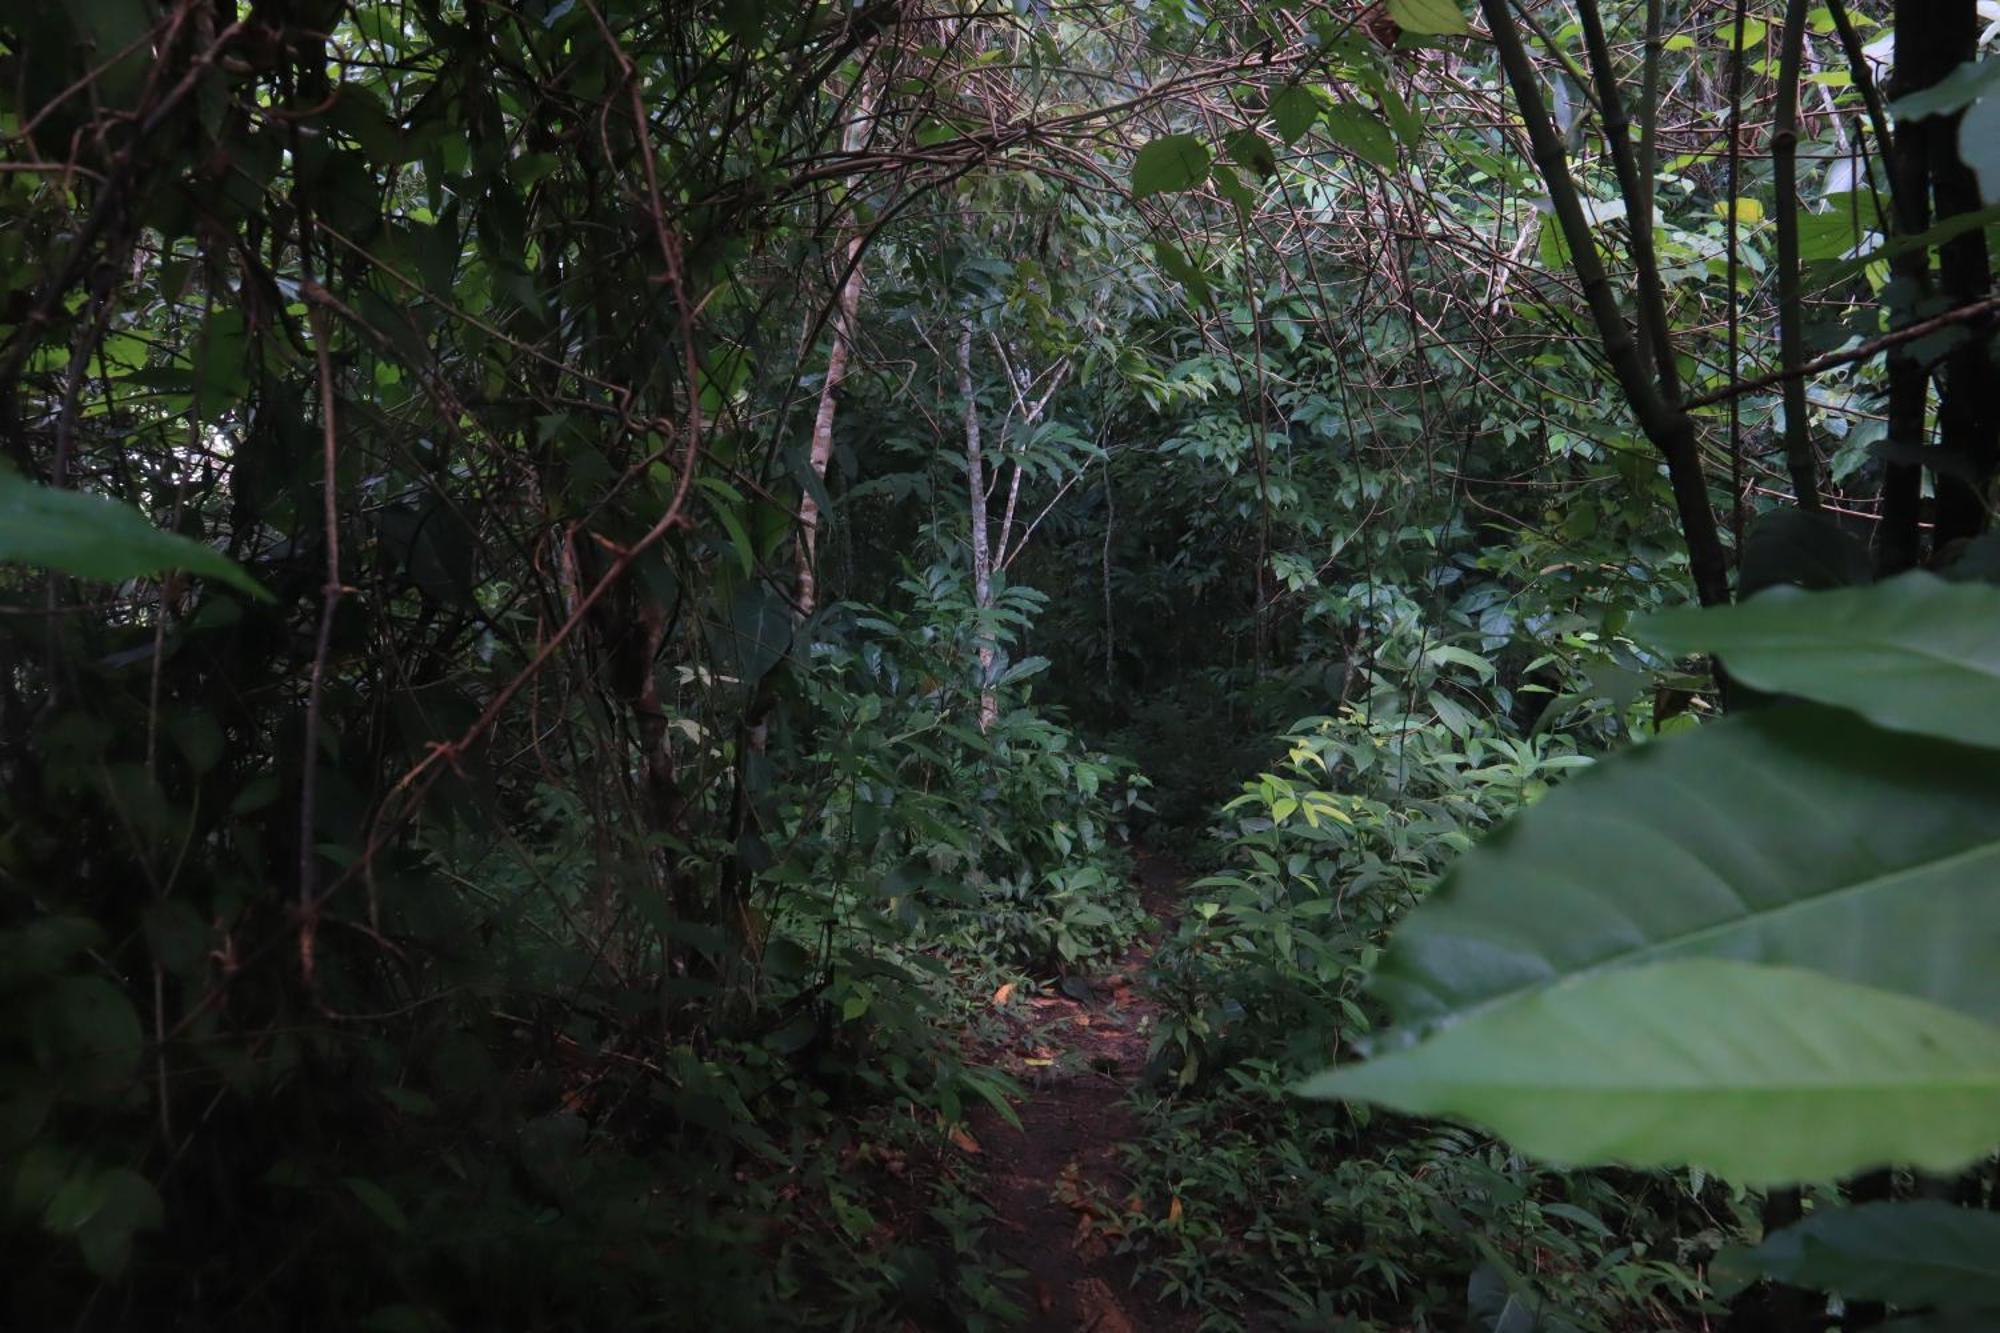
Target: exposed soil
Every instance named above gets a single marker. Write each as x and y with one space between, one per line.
1058 1185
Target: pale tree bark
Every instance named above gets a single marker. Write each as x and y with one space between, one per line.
1021 384
846 305
982 554
991 554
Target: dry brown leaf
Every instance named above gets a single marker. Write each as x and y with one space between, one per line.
1004 994
964 1140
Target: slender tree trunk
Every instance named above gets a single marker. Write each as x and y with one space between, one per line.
1896 536
846 304
982 555
1665 423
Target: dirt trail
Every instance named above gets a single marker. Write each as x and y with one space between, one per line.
1057 1185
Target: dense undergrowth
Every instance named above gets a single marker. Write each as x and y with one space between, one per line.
583 583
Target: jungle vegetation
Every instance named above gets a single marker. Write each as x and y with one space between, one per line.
729 664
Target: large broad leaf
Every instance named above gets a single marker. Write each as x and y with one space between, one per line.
1919 1253
1174 162
1954 91
1764 1075
1797 835
96 538
1914 654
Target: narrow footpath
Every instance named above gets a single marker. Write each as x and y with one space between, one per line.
1058 1185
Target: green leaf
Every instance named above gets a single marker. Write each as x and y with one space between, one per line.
97 538
1432 18
1711 1062
1922 1252
1793 835
87 1028
1248 148
1181 269
128 1203
758 634
1293 110
1362 133
1408 124
1175 162
1231 187
379 1202
1953 92
1464 657
1913 654
1827 235
1979 143
723 502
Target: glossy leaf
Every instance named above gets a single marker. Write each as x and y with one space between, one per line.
1767 837
1913 654
1761 1074
1920 1252
97 538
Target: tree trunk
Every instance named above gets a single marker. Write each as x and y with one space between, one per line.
1665 422
982 555
846 304
1897 541
1968 396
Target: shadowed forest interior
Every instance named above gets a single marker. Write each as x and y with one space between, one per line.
981 664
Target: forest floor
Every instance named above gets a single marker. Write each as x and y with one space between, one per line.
1057 1184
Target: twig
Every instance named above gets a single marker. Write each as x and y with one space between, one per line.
1908 333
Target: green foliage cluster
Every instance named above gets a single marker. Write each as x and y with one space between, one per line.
447 880
576 577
